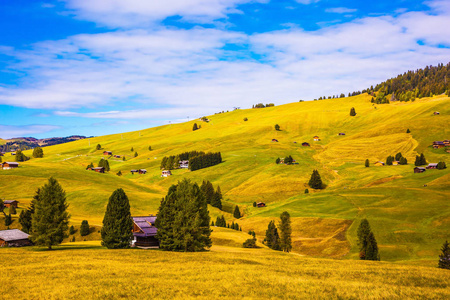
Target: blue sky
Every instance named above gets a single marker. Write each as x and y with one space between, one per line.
99 67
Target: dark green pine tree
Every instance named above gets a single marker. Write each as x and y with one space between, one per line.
315 181
441 165
117 223
306 191
398 156
277 161
237 212
277 127
90 166
101 163
84 229
371 248
444 257
195 127
208 190
98 147
417 161
285 232
216 201
389 160
183 219
352 112
408 131
212 223
423 161
50 220
8 220
367 163
132 149
26 215
12 210
136 154
403 161
71 230
38 152
272 239
106 165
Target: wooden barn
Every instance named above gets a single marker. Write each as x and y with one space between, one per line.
305 144
7 165
99 170
14 238
144 232
419 170
260 204
341 133
379 163
9 203
432 166
275 140
316 138
117 156
436 113
107 152
184 164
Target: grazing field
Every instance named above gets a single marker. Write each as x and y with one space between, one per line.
409 213
224 272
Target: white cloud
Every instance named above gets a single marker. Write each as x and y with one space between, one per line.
9 131
173 73
307 1
340 10
126 13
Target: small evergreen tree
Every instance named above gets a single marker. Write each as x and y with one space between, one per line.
84 229
26 215
119 173
277 161
50 219
8 220
237 213
441 165
38 152
408 131
71 230
250 243
216 201
423 161
149 148
367 163
123 158
398 156
117 224
135 154
12 210
368 248
195 127
389 160
277 127
254 204
444 257
371 248
272 238
212 223
403 161
132 149
306 191
90 166
315 181
352 112
98 147
285 232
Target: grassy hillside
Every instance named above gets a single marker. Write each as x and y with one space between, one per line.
410 220
225 272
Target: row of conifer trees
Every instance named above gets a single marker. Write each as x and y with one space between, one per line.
205 160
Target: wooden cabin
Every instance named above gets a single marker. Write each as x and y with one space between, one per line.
438 144
379 163
395 163
419 170
144 232
432 166
117 156
305 144
166 173
142 171
7 165
14 238
316 138
260 204
436 113
107 152
9 203
446 143
184 164
275 140
99 169
341 133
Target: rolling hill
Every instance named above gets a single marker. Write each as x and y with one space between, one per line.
409 213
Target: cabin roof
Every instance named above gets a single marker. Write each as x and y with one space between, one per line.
13 235
433 165
11 163
145 224
9 201
97 168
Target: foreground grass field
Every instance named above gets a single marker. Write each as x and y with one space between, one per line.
87 271
409 213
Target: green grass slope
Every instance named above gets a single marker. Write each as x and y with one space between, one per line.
410 220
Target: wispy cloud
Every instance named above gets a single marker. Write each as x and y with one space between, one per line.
9 131
340 10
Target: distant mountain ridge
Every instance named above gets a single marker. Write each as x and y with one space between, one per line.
24 143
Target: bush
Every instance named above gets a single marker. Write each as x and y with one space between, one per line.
119 173
250 243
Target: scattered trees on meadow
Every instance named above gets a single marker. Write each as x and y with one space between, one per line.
104 163
212 197
117 223
260 105
352 112
197 160
50 218
444 257
368 247
183 219
38 152
20 156
420 160
315 181
84 229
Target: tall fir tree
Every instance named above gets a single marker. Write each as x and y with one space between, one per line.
272 239
398 156
8 220
117 223
84 229
352 112
50 220
315 181
285 232
26 215
444 257
195 127
237 212
183 219
366 164
371 252
217 199
368 248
